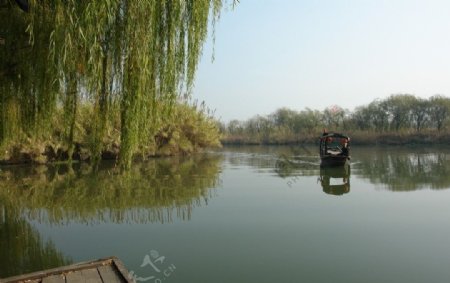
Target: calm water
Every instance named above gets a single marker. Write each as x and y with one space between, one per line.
255 214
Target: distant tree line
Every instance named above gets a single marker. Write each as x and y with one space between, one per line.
400 115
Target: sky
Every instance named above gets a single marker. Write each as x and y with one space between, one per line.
318 53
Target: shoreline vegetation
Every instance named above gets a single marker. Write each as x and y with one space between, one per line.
91 80
187 129
400 119
357 138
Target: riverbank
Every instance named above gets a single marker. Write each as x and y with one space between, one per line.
178 141
186 131
357 138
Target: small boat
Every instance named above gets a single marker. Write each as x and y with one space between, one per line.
334 149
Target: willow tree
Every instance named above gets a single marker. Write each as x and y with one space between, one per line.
124 57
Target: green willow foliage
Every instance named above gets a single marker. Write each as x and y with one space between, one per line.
134 57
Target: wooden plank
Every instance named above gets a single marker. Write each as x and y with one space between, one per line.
122 270
54 279
60 270
110 274
74 277
34 276
91 275
75 273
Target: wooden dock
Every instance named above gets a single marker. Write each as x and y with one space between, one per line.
109 270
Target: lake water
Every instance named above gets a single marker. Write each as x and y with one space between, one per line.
241 214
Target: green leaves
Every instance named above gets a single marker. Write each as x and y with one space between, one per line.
137 54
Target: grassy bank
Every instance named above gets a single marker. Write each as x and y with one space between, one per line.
187 129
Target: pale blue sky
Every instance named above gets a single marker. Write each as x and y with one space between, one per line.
317 53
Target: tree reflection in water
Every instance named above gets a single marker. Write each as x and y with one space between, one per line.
404 169
154 191
22 249
159 190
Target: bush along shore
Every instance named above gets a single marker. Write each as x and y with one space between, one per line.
396 120
186 129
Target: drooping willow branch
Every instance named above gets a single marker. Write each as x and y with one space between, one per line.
124 57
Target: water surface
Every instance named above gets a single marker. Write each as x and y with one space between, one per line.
244 214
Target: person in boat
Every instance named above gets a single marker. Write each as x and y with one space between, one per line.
345 146
325 140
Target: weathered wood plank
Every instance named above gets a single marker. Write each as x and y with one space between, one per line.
122 270
54 279
34 276
78 273
74 277
91 275
109 274
59 270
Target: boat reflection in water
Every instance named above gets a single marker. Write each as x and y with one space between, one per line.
335 180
